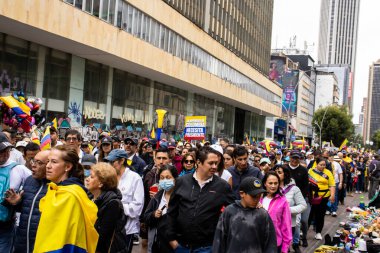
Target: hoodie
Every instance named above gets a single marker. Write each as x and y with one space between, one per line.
279 211
244 230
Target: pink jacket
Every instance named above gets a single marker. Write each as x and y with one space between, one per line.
279 211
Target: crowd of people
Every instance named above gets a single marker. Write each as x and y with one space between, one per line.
107 195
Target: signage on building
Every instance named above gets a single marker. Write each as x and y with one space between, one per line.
195 128
93 113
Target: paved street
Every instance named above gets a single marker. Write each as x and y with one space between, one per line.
331 225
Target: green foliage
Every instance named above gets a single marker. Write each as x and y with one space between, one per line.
357 140
376 139
337 124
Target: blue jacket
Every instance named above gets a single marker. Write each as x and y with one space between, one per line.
138 164
34 190
238 176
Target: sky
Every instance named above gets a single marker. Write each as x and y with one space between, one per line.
300 18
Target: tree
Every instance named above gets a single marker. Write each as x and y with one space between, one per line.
376 139
336 126
357 140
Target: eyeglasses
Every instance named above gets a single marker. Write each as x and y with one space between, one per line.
84 146
129 143
37 162
257 160
71 139
189 161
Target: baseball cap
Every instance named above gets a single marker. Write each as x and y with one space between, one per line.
171 145
295 153
131 139
88 159
116 154
115 138
337 158
4 142
344 151
106 140
217 148
251 186
21 144
264 160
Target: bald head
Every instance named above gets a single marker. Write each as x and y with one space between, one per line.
39 164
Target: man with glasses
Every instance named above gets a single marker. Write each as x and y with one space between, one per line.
30 151
74 139
130 146
242 169
35 188
300 175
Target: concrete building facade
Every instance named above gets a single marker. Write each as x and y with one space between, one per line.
327 91
125 59
373 101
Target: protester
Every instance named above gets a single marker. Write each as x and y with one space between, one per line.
102 183
155 215
374 175
20 146
264 165
294 197
130 146
27 201
30 151
241 169
224 142
147 154
116 142
132 190
300 175
228 159
54 137
243 227
322 190
15 155
200 196
87 161
338 177
74 139
12 177
278 208
105 148
174 155
221 171
67 215
188 165
360 170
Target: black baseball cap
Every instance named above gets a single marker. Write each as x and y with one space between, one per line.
106 140
4 142
88 159
295 153
251 186
134 141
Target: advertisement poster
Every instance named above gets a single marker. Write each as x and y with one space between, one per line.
289 96
277 69
195 128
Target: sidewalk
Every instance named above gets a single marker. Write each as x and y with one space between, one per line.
331 225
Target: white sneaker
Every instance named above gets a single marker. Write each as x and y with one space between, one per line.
318 236
360 192
327 212
333 214
356 192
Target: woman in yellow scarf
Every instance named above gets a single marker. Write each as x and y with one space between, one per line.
67 214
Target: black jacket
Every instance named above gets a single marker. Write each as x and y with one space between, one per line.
245 230
301 177
138 164
160 224
194 212
34 190
238 176
111 219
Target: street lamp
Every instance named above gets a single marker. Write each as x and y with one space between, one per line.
321 125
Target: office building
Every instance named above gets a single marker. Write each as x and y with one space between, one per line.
327 91
338 32
117 61
373 101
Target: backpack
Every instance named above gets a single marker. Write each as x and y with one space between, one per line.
5 178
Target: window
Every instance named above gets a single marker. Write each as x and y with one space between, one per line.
95 82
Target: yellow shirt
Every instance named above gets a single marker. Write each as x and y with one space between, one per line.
322 182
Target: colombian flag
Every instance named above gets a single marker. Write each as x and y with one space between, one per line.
55 123
18 107
153 134
46 140
67 221
344 144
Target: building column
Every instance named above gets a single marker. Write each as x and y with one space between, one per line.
151 105
109 96
214 120
78 66
40 73
190 104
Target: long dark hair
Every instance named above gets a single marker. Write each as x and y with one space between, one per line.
272 173
102 154
70 155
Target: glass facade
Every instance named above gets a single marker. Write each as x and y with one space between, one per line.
18 65
150 30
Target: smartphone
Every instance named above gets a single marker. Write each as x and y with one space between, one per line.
163 208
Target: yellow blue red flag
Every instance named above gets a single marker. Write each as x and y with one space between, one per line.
67 221
55 123
18 107
344 144
46 140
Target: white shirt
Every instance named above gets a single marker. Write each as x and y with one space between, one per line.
226 175
266 203
163 203
337 170
18 175
132 190
17 156
203 183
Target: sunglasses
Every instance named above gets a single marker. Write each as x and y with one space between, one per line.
189 161
129 143
71 139
257 160
84 146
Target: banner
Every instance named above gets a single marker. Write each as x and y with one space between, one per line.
195 128
290 89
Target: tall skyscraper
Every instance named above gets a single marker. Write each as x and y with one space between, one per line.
338 32
373 101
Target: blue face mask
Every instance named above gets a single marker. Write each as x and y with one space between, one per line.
87 173
166 184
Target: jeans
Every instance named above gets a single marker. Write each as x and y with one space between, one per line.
303 225
317 214
360 183
334 206
6 239
181 249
